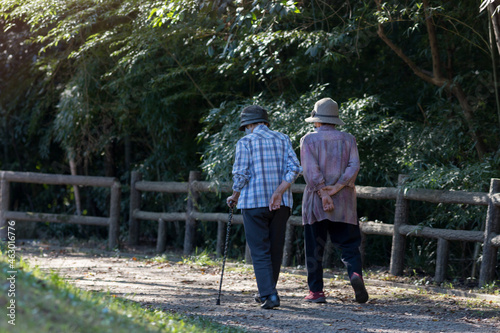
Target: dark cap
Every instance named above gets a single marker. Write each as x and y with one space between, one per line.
251 115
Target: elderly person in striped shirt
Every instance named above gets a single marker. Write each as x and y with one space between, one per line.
330 165
265 166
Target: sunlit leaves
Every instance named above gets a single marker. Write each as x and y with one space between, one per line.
171 12
486 3
221 128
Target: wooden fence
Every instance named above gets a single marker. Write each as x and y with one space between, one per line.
398 231
7 177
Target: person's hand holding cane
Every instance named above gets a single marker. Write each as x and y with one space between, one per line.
233 199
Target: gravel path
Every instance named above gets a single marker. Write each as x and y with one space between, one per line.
192 289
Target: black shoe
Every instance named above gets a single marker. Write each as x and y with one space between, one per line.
258 299
271 301
359 288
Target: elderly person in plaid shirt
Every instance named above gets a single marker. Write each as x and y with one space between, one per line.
265 166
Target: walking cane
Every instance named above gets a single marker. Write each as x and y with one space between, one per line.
226 248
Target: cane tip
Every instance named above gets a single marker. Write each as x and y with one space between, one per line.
218 302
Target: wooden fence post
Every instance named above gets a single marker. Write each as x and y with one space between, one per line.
221 228
4 206
362 247
443 247
161 242
114 215
488 264
328 257
135 203
192 204
288 249
400 219
248 255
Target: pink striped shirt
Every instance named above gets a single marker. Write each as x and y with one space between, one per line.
329 156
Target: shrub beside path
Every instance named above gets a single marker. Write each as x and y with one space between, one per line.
191 288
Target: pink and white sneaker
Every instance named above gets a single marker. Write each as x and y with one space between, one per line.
359 288
315 297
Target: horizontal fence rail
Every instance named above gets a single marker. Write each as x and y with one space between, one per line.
55 179
112 222
398 231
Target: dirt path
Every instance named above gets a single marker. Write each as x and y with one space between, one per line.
192 289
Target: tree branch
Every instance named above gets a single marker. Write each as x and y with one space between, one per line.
432 79
191 78
431 31
495 21
436 77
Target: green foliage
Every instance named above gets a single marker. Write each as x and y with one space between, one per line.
157 86
221 128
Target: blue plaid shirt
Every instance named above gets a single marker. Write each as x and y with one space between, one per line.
263 160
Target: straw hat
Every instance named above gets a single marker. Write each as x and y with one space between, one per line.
325 111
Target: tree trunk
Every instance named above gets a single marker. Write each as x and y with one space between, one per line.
5 141
76 189
109 160
128 153
495 21
436 78
495 40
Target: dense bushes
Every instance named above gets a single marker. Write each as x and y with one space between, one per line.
158 86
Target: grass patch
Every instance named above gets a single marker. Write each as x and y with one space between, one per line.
200 259
46 303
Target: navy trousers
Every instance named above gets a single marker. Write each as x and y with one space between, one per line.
344 236
265 235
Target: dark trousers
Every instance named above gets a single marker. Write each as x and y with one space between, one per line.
346 237
265 234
